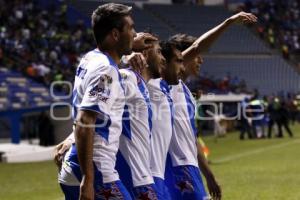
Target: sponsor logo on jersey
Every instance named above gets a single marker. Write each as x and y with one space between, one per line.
102 89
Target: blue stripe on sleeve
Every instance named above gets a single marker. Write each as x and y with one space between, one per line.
103 121
190 107
126 129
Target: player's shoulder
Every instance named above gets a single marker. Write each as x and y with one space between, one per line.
127 75
96 56
154 82
96 62
156 85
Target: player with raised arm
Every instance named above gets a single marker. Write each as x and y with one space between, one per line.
185 153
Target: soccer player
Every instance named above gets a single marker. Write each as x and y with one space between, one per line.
98 102
185 153
135 138
186 179
133 162
162 117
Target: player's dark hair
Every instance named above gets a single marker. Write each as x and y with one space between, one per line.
182 41
107 17
167 50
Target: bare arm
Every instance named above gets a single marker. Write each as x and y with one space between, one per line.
206 40
62 148
213 186
84 139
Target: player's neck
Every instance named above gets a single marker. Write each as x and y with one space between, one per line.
146 74
184 77
112 53
115 56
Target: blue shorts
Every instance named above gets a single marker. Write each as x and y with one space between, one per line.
140 192
161 189
187 184
114 190
145 192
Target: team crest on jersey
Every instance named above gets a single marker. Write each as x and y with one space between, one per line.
123 75
101 90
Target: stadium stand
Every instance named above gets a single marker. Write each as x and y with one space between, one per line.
279 25
144 20
269 74
238 51
19 92
199 19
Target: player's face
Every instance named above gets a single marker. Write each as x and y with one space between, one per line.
175 68
126 37
155 60
193 67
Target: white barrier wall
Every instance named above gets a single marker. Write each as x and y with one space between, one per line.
213 2
62 128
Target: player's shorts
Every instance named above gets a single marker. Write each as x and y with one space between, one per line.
161 189
145 192
114 190
187 184
103 191
142 192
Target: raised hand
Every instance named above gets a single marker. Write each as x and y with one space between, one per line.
143 41
243 18
137 62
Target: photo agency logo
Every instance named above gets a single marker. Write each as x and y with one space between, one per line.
61 100
136 107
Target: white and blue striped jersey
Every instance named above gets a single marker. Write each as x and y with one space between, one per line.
183 149
98 87
162 124
137 124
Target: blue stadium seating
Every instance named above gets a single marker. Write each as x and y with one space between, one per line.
143 19
267 73
16 91
196 20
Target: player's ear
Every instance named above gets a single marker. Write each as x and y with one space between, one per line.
115 33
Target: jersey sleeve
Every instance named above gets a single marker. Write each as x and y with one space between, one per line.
102 90
130 83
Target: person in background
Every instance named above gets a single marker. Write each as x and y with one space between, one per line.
245 126
284 119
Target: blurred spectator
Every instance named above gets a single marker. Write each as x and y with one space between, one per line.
279 23
279 115
245 126
210 84
284 120
31 71
41 41
292 106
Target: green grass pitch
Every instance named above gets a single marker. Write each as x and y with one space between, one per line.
247 170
